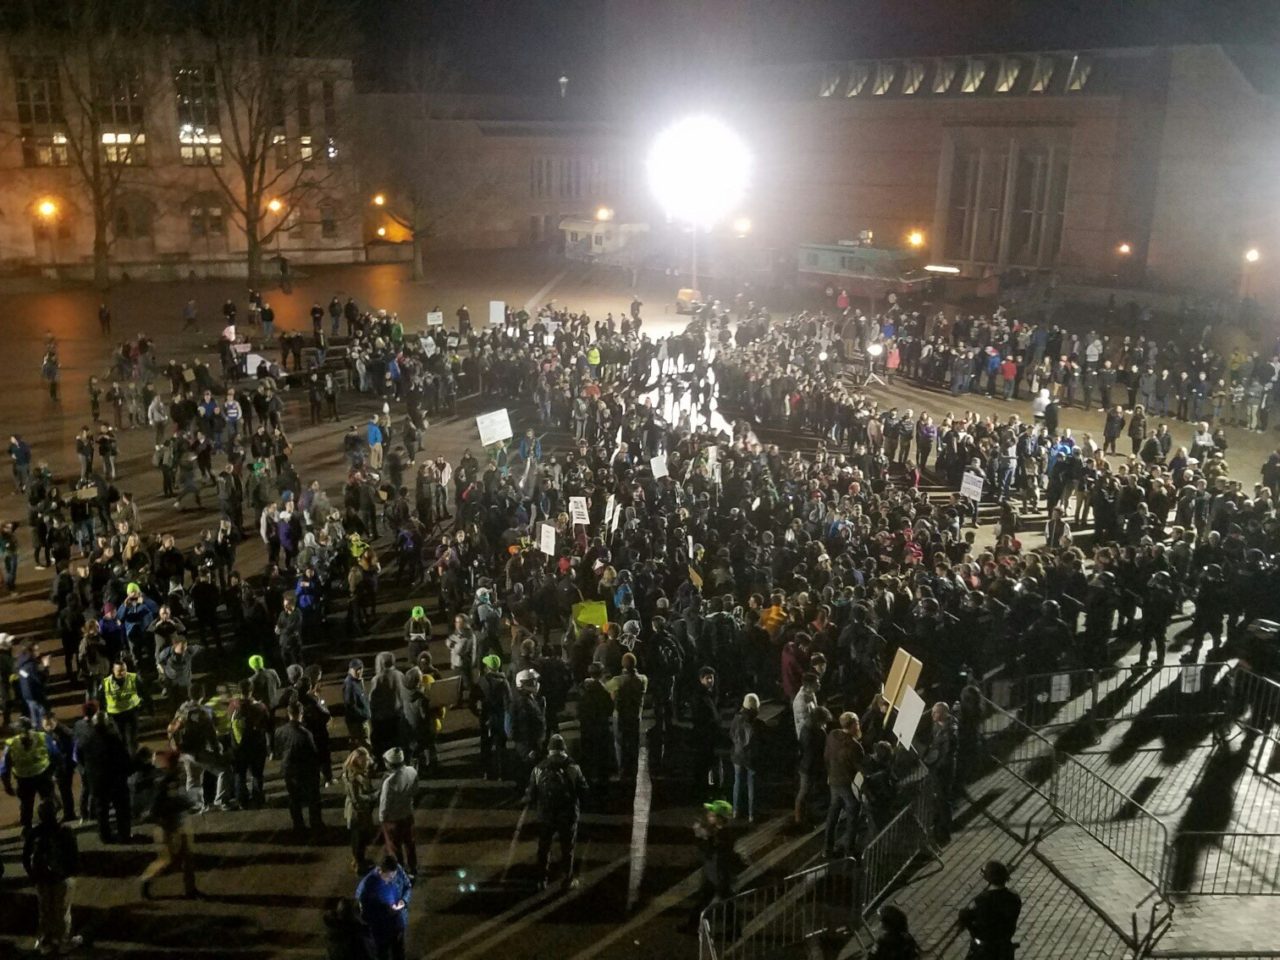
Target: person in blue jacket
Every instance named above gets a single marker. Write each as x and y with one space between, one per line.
384 894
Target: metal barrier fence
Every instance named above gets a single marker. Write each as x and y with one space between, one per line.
1070 697
1075 793
1212 863
761 922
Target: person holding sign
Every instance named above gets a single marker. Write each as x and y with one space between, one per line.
844 758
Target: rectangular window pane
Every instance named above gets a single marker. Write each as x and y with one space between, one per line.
39 108
196 92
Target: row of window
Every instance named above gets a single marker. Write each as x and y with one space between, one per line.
570 178
133 218
971 75
119 97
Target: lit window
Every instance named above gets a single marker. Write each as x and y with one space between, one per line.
974 71
944 75
1081 68
197 145
859 73
331 148
280 146
885 72
125 148
1041 75
305 150
1010 67
912 77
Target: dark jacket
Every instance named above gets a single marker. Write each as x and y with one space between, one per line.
844 757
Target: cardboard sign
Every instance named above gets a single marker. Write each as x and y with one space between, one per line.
903 673
444 693
610 508
592 613
547 539
429 347
689 544
548 339
971 486
494 427
578 510
659 466
907 722
1060 688
713 455
435 319
451 341
1191 677
497 313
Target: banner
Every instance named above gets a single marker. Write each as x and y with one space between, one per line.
547 539
591 613
497 313
494 427
435 319
578 511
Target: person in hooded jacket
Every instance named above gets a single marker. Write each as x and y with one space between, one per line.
386 705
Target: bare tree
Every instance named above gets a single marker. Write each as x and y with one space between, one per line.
268 155
85 58
420 162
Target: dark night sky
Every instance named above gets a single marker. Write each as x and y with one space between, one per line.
519 46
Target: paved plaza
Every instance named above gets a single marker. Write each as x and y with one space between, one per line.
476 897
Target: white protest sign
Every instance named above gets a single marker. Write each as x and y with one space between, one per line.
713 453
1060 688
1191 678
755 504
435 319
617 519
690 545
429 346
910 710
549 339
578 510
547 539
971 486
452 341
659 466
497 313
715 474
610 508
494 427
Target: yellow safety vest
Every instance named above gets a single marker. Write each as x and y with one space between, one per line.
122 697
221 715
28 759
593 356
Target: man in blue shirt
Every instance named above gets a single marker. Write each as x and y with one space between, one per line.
384 894
374 436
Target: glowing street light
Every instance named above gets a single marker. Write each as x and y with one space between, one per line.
698 170
47 209
915 238
742 226
379 200
604 213
1124 249
274 205
382 231
1252 255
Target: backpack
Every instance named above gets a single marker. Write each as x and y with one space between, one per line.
54 856
555 788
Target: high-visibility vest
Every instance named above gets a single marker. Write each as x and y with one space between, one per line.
28 758
593 356
121 697
221 715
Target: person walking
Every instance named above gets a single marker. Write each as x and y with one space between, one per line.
384 893
556 790
720 861
361 800
300 765
395 810
52 860
169 810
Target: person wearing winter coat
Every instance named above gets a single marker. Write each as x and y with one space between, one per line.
746 733
386 705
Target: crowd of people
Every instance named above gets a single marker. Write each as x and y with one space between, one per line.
717 571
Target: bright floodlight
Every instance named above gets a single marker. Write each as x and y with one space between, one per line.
1252 255
698 170
875 349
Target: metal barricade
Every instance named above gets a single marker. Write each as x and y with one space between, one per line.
1253 701
760 923
893 850
1211 863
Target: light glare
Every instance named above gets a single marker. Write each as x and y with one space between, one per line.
1252 255
698 170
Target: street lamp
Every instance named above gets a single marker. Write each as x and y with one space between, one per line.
47 209
48 212
1252 255
382 231
915 239
379 200
274 205
742 226
698 170
1124 249
604 213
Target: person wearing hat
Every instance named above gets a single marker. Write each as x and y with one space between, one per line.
29 759
992 918
720 861
628 690
556 789
395 810
490 699
417 633
265 682
295 746
527 726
